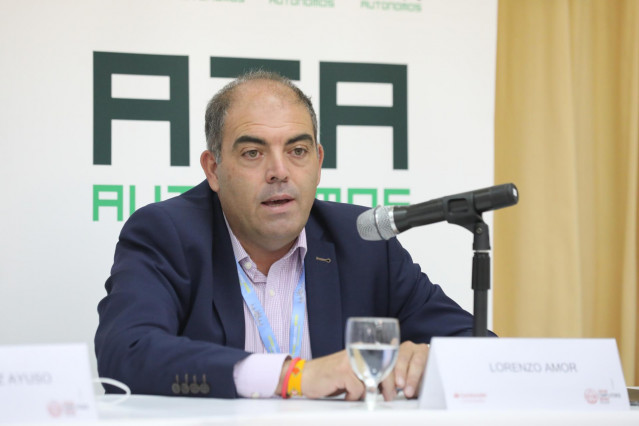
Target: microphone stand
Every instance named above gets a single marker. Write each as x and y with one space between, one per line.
481 278
469 218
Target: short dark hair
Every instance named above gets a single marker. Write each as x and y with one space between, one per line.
220 103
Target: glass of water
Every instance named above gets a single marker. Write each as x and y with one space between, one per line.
372 345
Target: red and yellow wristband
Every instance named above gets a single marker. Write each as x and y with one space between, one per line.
292 384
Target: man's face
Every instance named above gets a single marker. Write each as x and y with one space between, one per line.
269 168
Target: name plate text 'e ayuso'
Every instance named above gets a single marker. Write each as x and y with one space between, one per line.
40 383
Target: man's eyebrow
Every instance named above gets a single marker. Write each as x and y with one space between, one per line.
301 137
259 141
249 139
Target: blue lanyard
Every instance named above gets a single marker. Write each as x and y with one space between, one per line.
264 327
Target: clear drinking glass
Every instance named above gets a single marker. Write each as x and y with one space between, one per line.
372 345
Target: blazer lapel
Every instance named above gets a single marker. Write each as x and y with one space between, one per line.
323 295
227 298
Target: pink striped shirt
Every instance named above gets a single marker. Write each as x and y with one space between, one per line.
258 375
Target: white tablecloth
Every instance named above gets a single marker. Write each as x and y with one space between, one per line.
142 409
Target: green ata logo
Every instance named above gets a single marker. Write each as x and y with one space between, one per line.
175 111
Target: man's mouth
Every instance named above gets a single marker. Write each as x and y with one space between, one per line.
277 202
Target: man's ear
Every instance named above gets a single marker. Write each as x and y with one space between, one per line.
209 165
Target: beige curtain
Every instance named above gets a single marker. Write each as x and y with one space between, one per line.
567 134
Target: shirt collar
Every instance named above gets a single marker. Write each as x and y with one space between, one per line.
241 254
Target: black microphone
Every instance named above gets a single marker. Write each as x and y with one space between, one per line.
384 222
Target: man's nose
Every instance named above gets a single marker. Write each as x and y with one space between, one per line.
276 169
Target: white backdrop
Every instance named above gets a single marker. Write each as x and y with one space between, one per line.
54 257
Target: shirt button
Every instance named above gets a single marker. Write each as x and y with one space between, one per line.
255 395
248 265
271 292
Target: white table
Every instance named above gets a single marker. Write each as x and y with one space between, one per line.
157 410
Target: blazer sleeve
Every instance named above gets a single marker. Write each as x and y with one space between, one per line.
139 339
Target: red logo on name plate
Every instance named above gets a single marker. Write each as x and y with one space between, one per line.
591 395
55 409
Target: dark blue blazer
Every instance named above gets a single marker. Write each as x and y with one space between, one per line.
174 309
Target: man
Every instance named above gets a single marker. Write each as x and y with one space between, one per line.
205 284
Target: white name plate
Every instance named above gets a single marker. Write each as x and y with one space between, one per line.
39 383
465 373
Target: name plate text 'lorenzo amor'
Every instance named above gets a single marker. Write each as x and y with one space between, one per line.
516 374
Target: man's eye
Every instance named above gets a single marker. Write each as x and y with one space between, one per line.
299 151
253 153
